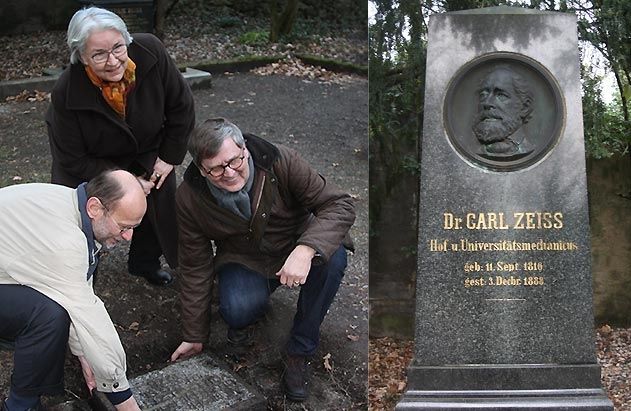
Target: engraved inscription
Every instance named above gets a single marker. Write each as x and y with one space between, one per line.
512 268
499 221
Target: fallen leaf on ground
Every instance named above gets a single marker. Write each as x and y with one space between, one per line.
238 367
30 95
327 364
292 66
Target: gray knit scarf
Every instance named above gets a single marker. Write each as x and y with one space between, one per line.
239 201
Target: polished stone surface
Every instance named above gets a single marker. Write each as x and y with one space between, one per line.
504 297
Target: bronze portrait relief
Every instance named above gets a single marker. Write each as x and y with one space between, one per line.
503 111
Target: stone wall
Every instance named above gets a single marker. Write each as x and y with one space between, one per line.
393 261
609 187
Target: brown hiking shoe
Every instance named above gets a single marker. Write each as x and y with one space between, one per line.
295 378
241 337
240 342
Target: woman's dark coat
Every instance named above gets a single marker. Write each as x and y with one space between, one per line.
87 136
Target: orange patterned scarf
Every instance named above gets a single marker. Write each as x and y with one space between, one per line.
115 93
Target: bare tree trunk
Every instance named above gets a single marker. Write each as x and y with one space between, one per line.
282 23
163 9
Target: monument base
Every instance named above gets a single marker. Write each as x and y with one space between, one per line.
580 399
505 386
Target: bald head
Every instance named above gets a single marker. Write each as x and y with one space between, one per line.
116 205
133 201
119 191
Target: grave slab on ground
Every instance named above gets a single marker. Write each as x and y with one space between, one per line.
198 383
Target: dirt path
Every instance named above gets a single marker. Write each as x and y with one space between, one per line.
327 123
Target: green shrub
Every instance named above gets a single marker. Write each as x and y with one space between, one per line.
228 21
254 38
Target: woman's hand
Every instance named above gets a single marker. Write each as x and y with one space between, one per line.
160 172
146 185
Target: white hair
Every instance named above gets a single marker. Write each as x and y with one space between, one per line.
88 20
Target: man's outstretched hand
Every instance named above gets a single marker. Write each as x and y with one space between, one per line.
187 349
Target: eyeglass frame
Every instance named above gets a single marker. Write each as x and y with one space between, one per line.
223 168
123 230
107 54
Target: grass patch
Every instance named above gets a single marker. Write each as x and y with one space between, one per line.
254 38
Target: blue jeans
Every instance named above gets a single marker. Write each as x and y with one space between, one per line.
38 327
244 297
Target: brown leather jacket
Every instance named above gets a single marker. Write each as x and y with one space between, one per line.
291 204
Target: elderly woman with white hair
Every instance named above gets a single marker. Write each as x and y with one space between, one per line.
122 103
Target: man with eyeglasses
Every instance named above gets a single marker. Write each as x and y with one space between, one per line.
49 249
274 221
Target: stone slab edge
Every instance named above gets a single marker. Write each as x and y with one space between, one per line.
196 79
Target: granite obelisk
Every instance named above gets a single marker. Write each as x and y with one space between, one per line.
504 296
